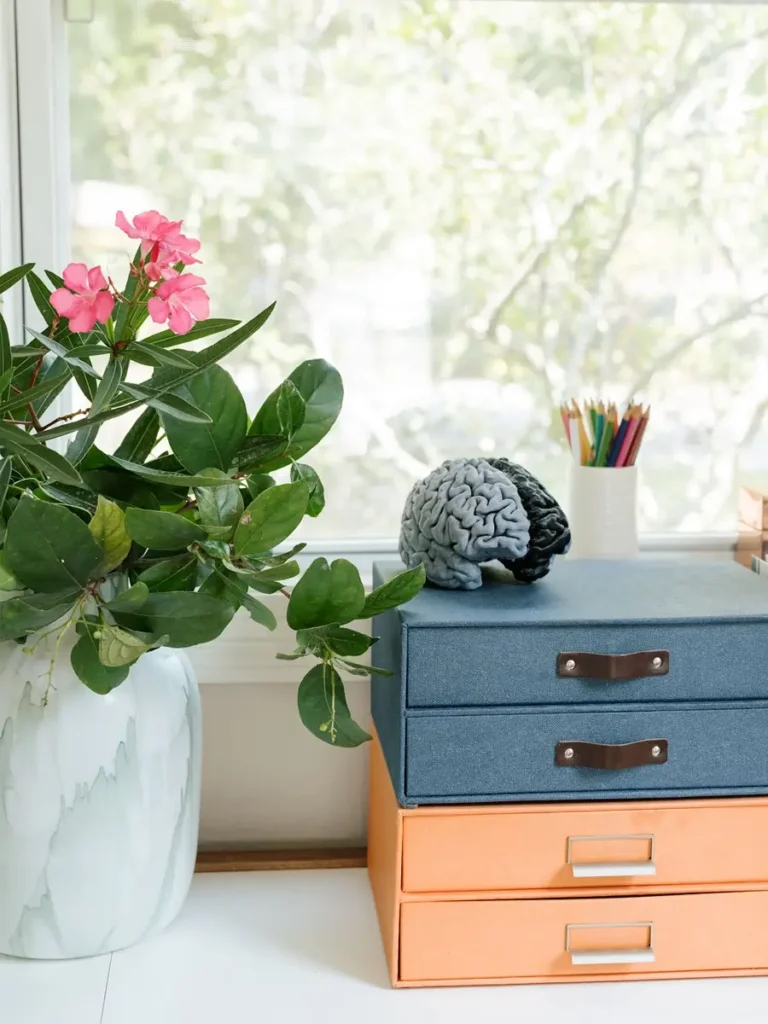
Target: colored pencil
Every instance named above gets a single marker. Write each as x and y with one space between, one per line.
597 436
632 425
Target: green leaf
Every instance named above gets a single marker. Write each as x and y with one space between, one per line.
138 443
158 476
81 444
283 571
283 557
41 295
346 642
8 581
290 408
258 482
50 462
108 530
258 611
168 339
5 382
166 380
216 443
270 518
149 355
324 710
6 356
396 591
319 384
161 531
74 497
5 478
215 548
28 613
177 573
130 289
217 584
62 352
172 406
118 647
356 669
258 451
108 385
187 618
326 594
49 548
87 664
219 508
38 391
12 277
56 280
163 381
130 600
301 471
81 351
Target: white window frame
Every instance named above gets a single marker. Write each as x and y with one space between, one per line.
34 208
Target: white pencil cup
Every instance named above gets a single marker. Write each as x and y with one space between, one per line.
603 513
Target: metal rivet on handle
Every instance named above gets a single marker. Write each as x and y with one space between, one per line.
570 665
568 753
657 662
656 750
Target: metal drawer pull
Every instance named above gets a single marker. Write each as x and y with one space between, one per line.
612 667
608 869
582 957
610 756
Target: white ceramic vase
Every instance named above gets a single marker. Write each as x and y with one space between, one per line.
99 802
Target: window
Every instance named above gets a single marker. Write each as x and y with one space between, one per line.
474 208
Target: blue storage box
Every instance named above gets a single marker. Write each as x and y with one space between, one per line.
605 680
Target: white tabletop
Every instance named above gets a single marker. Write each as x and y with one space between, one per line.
303 947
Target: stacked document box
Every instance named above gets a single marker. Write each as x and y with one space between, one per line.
601 735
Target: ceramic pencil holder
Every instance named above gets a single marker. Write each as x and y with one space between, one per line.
603 512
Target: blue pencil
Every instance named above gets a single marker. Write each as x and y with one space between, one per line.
617 442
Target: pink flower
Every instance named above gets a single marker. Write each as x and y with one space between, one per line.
181 301
159 235
85 299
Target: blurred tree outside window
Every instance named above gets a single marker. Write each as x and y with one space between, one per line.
474 208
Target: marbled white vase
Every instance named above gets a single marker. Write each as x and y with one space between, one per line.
99 802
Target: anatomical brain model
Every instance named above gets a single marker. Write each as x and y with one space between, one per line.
471 511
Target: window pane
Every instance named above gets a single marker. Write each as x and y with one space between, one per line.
474 209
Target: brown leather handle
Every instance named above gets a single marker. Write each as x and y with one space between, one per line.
588 665
610 756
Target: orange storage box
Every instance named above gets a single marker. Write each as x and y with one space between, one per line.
568 892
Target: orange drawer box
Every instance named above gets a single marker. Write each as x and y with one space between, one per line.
651 889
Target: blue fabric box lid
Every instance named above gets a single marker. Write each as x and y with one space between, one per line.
575 592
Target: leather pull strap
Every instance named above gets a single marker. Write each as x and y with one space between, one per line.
610 756
612 667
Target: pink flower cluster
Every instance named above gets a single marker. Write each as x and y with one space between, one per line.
172 296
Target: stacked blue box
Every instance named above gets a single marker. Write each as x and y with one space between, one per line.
605 680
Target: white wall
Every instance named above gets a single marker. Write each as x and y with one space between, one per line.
266 780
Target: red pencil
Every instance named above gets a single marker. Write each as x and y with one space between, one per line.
622 459
635 448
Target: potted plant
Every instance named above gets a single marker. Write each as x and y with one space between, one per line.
112 564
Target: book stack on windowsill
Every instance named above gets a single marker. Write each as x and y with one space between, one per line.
753 527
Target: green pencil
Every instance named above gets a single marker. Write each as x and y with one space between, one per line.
606 439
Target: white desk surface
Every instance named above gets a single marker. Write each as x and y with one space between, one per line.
303 947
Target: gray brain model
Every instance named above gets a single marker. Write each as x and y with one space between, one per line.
464 513
470 511
550 533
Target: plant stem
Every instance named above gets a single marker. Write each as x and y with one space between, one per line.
62 419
